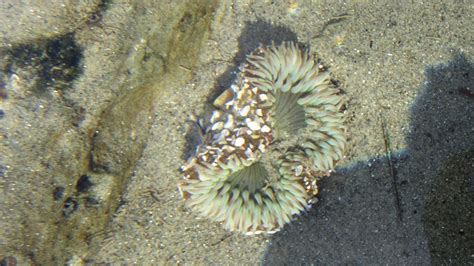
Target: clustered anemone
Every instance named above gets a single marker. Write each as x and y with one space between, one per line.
274 134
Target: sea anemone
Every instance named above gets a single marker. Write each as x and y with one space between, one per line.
274 134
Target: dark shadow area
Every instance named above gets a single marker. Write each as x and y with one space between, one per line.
358 220
45 63
449 217
253 35
443 140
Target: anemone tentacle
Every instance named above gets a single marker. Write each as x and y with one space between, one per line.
278 130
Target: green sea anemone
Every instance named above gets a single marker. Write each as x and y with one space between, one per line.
277 131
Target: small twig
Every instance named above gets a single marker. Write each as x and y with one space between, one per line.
185 68
221 240
388 154
331 21
90 236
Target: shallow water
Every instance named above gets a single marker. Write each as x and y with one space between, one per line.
96 100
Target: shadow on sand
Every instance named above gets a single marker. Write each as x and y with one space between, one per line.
414 207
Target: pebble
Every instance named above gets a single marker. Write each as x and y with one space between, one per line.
215 115
239 142
263 97
265 129
244 111
249 153
230 122
254 126
222 99
218 126
298 170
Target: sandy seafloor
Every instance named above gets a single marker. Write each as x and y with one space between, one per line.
404 195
